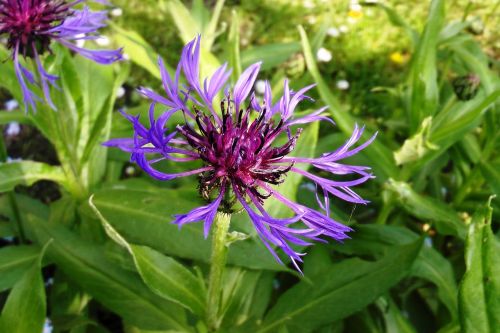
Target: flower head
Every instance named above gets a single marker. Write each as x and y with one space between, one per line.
31 26
243 157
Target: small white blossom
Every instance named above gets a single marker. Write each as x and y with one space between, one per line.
333 32
356 7
120 92
47 327
13 160
103 41
13 129
324 55
79 40
260 87
309 4
312 19
11 105
130 170
342 84
116 12
344 29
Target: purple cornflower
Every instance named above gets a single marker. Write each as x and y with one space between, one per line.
241 161
31 25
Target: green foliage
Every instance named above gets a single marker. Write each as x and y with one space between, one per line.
417 261
25 308
340 290
479 303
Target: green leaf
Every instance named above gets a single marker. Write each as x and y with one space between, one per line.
479 301
372 240
271 55
27 173
143 215
380 156
162 274
14 262
17 116
210 31
339 291
398 21
187 26
119 290
432 266
9 80
448 127
427 208
138 49
492 176
25 308
423 83
169 279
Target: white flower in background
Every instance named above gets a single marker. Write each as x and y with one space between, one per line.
356 7
116 12
130 170
125 56
309 4
260 87
344 29
324 55
311 19
79 41
11 105
120 92
49 282
342 84
333 32
13 160
102 41
47 327
13 129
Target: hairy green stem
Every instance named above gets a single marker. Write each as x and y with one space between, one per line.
12 198
218 262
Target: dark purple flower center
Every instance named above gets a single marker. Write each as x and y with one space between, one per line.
239 149
28 23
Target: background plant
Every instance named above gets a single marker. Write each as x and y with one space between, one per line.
424 256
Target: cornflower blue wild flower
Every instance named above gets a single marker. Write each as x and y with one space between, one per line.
241 162
31 25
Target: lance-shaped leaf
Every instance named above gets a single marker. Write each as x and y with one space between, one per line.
163 275
427 208
14 262
142 215
430 265
25 308
479 295
423 84
27 173
339 291
119 290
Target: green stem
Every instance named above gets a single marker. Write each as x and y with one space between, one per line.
12 198
218 262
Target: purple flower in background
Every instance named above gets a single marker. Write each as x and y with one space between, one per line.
244 147
31 25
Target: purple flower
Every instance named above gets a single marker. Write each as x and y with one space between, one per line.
31 25
241 161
